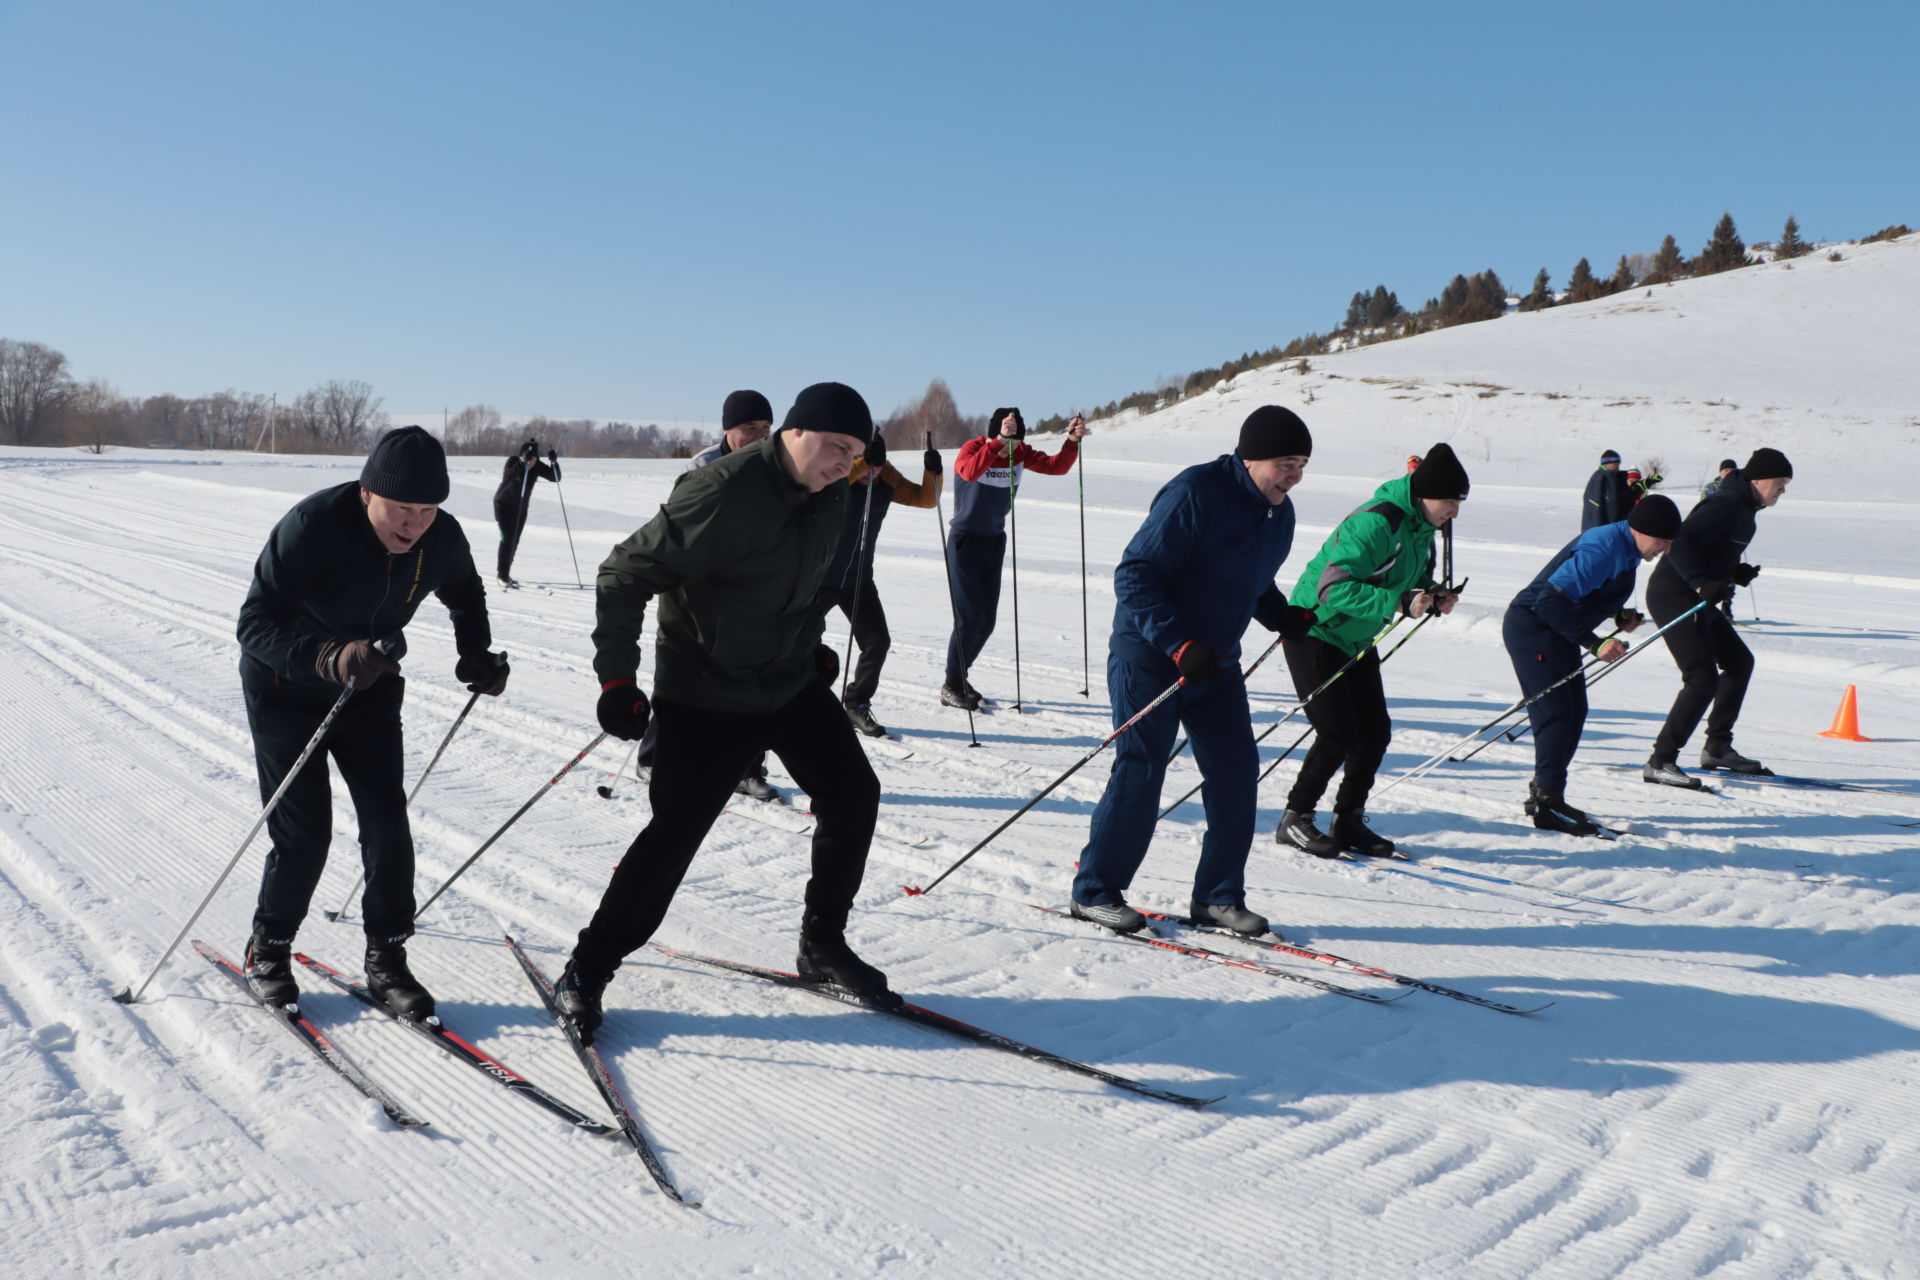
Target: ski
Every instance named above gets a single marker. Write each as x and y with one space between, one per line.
941 1022
1232 962
433 1029
1379 864
596 1068
1538 888
1341 962
1813 784
1695 783
290 1017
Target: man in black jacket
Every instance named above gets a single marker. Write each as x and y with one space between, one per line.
736 557
514 498
340 577
1706 563
1606 499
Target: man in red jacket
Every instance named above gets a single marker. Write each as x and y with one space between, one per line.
987 476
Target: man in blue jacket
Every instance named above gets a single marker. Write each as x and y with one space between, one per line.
1195 574
1559 614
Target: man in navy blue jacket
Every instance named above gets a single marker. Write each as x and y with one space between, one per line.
1606 498
1195 574
1559 614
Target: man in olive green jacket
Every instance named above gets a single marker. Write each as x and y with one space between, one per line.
736 556
1377 563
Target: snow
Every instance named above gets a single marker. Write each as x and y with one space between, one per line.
1723 1086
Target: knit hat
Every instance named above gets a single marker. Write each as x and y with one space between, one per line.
1656 516
1609 456
1440 474
1273 432
830 406
1768 464
1727 464
744 406
407 465
1019 423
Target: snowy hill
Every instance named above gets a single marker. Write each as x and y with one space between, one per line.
1723 1084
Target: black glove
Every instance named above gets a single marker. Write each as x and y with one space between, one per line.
876 454
1628 619
483 672
931 461
1296 622
828 663
1716 592
1744 574
623 710
356 660
529 451
552 456
1198 662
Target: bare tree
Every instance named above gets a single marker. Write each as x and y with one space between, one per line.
476 429
34 387
97 416
348 414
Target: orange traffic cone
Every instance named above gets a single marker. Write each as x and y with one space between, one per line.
1846 721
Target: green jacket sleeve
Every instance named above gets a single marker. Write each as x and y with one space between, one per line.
681 544
1360 547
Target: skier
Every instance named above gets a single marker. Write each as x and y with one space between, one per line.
1605 500
1197 571
1556 616
1413 463
336 584
987 474
1715 664
745 416
514 497
1727 466
1379 561
850 577
736 555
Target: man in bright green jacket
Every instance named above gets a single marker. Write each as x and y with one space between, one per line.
1379 562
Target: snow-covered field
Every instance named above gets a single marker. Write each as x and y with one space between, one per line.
1727 1082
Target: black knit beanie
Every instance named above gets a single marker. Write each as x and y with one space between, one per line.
1727 464
1440 475
744 406
1273 432
407 465
1656 516
830 406
1768 464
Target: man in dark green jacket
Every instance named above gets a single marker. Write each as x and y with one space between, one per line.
340 576
736 557
1377 563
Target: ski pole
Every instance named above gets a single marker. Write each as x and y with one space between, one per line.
953 601
1382 634
1244 677
1514 734
545 787
913 892
1013 522
130 995
1086 662
859 563
605 789
1434 761
526 503
562 494
458 721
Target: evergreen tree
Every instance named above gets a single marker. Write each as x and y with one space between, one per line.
1356 312
1540 296
1452 298
1581 286
1791 245
1668 264
1725 251
1383 308
1622 277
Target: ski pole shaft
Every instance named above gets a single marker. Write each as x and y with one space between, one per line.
457 722
129 995
859 564
1245 675
1513 735
1013 522
1086 662
1105 742
545 787
569 524
953 601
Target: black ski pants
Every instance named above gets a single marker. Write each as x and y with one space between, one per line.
702 753
511 515
974 561
1715 666
868 619
1540 657
366 748
1350 721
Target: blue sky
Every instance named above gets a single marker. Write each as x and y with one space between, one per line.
627 210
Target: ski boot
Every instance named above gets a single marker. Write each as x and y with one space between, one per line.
826 958
577 996
979 699
1725 757
1229 915
1117 916
1551 812
1297 829
269 967
393 984
756 786
862 718
1350 831
1669 774
960 695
